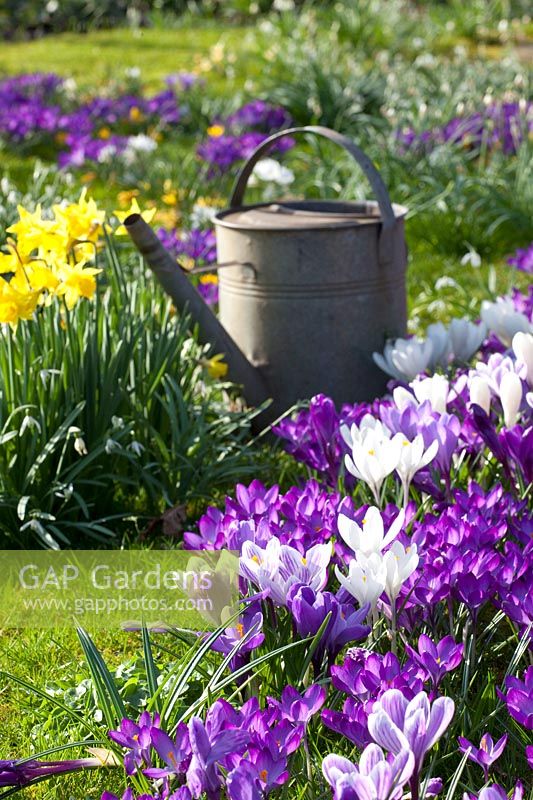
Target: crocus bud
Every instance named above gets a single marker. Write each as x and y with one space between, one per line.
511 397
523 350
480 393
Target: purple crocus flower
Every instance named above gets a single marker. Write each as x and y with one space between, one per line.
351 722
497 792
523 259
436 659
297 708
519 698
309 610
486 754
22 773
203 774
422 724
375 776
137 738
277 567
175 753
366 675
246 633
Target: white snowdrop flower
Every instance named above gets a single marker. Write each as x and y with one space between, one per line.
473 258
404 359
441 347
268 169
502 318
136 447
413 457
132 72
111 446
365 580
79 446
465 338
28 423
373 459
480 393
117 422
434 389
400 562
445 282
523 349
511 397
371 537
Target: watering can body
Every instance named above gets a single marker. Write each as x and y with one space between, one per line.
317 288
309 290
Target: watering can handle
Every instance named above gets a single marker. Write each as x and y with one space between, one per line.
374 178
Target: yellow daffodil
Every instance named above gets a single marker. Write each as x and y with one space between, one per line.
15 305
147 215
125 197
82 220
35 233
9 263
77 281
215 366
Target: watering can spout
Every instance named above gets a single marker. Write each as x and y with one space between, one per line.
186 298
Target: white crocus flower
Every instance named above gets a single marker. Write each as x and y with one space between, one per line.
400 562
373 459
434 389
502 318
413 457
465 337
440 345
523 350
404 359
371 537
356 433
365 580
511 397
480 393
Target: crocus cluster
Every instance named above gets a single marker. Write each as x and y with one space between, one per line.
194 248
244 751
50 256
499 126
235 138
442 418
38 108
407 730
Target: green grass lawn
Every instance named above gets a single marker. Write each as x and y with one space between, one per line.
100 56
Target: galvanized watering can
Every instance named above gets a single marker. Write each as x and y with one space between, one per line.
308 290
